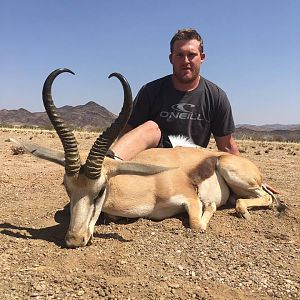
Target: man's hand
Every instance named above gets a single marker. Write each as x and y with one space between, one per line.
227 144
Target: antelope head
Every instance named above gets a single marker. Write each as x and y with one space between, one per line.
86 183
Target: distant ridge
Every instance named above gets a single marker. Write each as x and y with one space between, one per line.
94 117
269 127
90 116
269 132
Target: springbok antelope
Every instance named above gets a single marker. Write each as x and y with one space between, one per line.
189 179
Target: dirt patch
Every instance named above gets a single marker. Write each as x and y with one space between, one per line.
143 259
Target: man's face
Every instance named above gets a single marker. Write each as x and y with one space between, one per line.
186 60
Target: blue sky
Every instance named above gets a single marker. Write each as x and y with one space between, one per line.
252 51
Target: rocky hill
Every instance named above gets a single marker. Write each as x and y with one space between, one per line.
242 133
269 132
269 127
90 116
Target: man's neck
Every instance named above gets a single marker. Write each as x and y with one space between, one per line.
185 86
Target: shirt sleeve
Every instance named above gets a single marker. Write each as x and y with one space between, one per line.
223 123
141 108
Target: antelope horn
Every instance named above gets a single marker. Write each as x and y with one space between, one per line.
72 158
99 149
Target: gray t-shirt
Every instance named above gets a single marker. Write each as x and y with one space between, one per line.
195 114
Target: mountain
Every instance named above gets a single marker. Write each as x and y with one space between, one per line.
92 116
269 132
269 127
270 135
89 116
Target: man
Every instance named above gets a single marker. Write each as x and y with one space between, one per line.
183 103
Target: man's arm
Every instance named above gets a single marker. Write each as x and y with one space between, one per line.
126 129
227 144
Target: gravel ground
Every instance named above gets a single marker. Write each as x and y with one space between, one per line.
143 259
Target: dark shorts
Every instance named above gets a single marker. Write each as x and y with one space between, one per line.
164 142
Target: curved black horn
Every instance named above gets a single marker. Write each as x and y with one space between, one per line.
72 158
97 153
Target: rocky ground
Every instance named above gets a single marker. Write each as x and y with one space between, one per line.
143 259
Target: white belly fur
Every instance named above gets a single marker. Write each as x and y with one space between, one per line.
166 209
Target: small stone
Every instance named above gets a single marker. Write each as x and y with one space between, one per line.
180 268
38 288
173 285
34 295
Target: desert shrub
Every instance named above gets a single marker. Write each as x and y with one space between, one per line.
17 150
243 149
291 151
257 152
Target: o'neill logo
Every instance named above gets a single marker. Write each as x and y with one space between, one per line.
182 111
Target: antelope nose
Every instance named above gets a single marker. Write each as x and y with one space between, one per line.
74 240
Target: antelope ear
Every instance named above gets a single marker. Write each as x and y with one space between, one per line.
141 169
116 167
55 156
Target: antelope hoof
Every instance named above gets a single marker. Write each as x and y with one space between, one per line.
244 215
241 210
202 228
199 227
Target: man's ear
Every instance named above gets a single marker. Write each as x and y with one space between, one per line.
170 58
202 57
